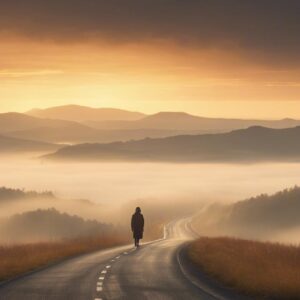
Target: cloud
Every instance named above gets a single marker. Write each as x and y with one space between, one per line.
268 29
21 74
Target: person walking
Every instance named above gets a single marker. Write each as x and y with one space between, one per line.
137 226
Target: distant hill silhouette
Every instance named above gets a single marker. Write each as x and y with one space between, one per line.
13 145
164 124
264 216
68 124
252 144
48 225
82 113
17 121
21 126
66 134
184 121
278 211
84 134
8 194
14 201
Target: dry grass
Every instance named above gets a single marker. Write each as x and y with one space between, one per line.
19 259
265 270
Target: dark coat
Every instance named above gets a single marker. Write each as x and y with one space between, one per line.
137 225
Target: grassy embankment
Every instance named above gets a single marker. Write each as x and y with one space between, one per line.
19 259
264 270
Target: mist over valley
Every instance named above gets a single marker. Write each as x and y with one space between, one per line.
172 168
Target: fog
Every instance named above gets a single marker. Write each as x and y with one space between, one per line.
116 183
163 191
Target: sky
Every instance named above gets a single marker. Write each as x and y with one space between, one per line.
228 58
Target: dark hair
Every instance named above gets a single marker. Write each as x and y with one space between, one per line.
138 210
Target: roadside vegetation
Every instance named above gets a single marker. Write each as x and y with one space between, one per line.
265 217
33 234
18 259
261 269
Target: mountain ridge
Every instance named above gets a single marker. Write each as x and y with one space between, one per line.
160 125
185 121
252 144
14 145
14 121
81 113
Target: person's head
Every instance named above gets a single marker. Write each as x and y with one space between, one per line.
138 210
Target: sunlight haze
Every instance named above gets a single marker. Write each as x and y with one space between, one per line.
150 149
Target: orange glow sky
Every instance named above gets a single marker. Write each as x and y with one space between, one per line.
147 75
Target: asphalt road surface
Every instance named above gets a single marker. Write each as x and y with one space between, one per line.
154 271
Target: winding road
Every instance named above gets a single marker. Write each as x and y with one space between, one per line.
154 271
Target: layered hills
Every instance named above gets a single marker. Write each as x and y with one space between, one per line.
245 145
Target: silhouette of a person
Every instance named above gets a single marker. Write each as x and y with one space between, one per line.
137 226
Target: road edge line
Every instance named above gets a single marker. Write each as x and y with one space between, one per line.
209 285
187 274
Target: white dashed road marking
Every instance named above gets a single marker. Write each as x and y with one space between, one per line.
99 286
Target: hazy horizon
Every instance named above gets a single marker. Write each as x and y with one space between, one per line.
171 110
205 58
156 187
97 181
109 191
188 110
146 66
293 105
